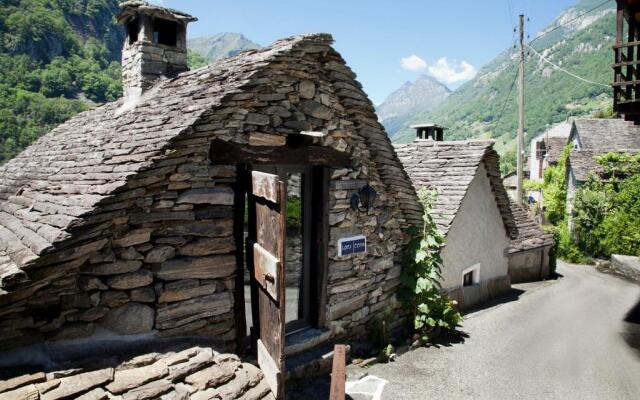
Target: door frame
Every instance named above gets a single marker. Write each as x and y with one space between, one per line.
317 250
320 160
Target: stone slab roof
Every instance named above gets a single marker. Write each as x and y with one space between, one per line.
449 167
68 175
132 7
604 135
554 146
510 180
583 163
530 235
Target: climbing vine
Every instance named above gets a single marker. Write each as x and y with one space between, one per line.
432 311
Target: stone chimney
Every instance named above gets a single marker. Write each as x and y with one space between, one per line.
429 131
155 45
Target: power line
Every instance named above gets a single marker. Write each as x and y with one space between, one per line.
520 147
543 58
511 14
506 100
571 20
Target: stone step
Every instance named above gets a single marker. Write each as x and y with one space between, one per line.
304 340
311 363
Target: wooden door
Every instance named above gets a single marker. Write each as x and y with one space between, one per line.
266 245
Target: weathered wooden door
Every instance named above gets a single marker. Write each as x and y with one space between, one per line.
266 250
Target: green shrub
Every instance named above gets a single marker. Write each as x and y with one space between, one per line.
294 212
567 248
195 60
421 293
555 189
56 81
621 226
590 208
606 213
508 162
605 113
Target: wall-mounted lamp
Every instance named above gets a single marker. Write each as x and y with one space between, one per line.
365 197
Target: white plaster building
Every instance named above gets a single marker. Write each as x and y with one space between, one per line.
472 211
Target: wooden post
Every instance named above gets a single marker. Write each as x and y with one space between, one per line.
239 190
338 373
520 145
618 74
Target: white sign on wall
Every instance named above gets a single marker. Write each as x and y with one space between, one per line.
352 245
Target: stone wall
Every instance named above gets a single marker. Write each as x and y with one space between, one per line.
315 91
194 373
168 264
293 259
159 254
145 61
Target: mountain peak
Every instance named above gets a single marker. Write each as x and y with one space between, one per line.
485 106
425 93
424 78
221 45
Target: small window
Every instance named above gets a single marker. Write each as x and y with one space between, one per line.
165 32
133 28
471 276
541 150
467 279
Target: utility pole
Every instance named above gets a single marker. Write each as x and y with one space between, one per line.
520 115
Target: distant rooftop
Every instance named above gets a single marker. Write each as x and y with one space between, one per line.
427 125
604 135
562 129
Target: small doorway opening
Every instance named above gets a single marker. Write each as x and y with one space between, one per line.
305 249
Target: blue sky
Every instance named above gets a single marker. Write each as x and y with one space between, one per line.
385 42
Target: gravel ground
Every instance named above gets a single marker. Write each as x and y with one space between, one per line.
559 340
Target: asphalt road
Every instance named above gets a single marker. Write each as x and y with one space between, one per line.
559 340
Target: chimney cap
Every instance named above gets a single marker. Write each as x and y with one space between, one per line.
132 8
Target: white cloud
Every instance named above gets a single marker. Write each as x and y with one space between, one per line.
413 63
452 72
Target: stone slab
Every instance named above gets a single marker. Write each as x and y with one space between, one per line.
628 266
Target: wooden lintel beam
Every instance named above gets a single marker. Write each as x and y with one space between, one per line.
223 152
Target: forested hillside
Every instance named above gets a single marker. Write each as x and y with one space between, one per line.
57 57
483 108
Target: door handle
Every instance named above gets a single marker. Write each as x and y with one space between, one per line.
269 278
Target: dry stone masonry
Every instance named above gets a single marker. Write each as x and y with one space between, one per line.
195 373
124 220
156 45
120 219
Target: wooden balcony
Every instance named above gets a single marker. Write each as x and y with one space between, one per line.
626 66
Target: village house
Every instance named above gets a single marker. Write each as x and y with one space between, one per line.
546 149
590 138
471 209
139 219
